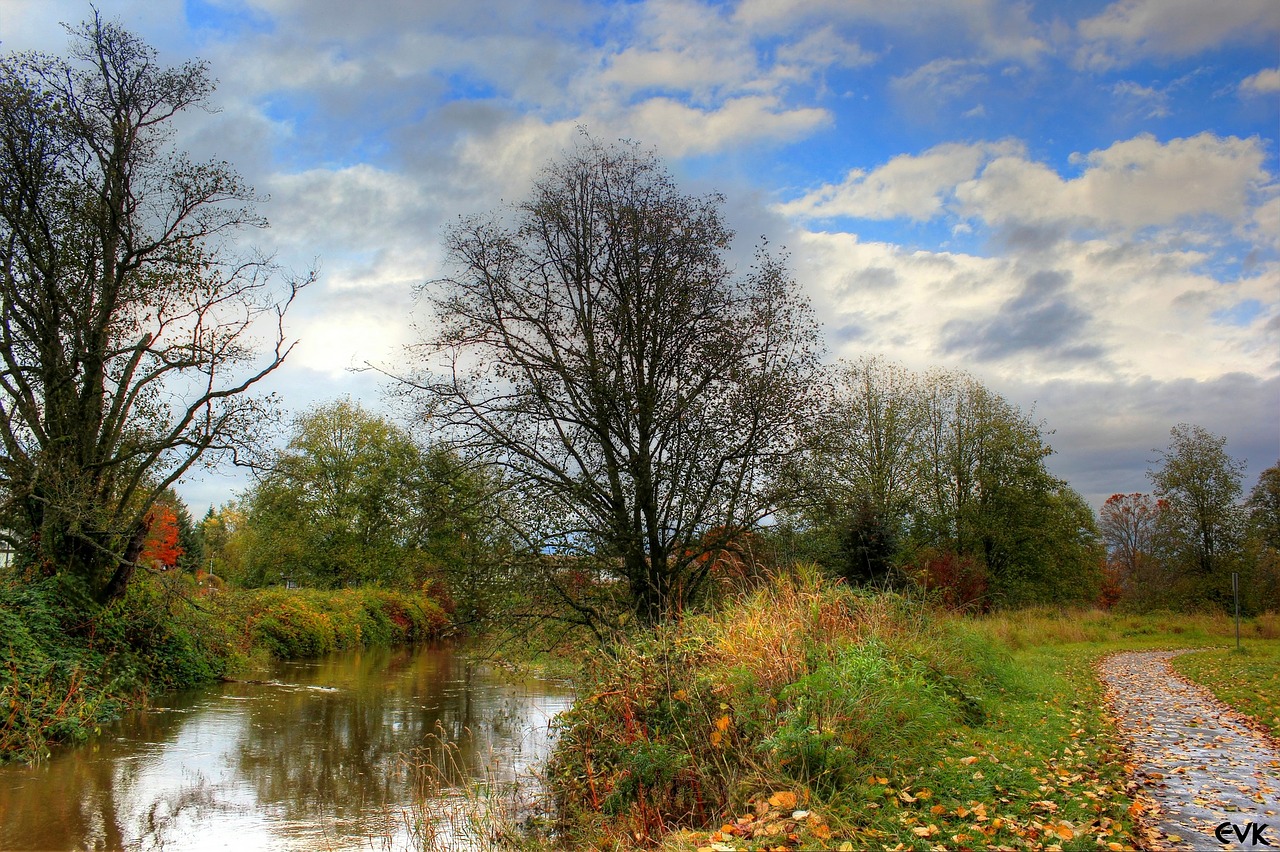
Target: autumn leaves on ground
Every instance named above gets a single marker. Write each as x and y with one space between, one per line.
807 715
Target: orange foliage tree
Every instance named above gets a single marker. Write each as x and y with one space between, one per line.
161 548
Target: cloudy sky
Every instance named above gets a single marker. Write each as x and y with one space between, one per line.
1079 203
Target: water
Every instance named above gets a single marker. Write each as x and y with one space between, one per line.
328 755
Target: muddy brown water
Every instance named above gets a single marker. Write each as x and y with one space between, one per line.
326 755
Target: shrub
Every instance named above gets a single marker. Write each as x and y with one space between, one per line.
800 684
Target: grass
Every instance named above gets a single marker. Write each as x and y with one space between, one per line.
1249 681
805 715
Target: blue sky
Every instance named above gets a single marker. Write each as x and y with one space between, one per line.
1076 202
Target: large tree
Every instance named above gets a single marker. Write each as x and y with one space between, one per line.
638 391
125 342
933 471
1202 486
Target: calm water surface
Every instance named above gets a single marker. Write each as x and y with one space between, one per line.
323 757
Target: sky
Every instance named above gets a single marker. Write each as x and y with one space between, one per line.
1078 203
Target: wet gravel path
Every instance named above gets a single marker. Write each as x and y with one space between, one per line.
1200 764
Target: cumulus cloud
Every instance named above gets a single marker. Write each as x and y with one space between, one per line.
1132 184
681 130
1135 183
1131 30
1265 82
908 186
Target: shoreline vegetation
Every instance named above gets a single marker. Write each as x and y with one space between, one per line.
800 713
806 714
71 668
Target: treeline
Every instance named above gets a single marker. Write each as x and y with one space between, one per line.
352 500
935 480
1178 546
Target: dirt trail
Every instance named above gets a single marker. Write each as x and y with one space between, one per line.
1194 756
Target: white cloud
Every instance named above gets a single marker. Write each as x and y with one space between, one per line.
1064 316
908 186
1148 102
942 80
1130 30
1133 184
1264 82
680 130
995 29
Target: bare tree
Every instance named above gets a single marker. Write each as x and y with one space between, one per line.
638 392
125 350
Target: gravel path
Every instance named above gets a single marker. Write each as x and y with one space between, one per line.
1194 757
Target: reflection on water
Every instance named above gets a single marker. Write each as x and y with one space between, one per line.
324 756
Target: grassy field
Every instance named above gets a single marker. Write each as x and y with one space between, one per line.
1249 680
808 716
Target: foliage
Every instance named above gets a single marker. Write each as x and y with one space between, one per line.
901 468
1201 485
160 549
73 665
307 623
126 314
801 684
636 390
352 500
1264 508
806 715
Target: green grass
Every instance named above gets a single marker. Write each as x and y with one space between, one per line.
1249 681
887 722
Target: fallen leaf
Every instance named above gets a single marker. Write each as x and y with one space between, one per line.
783 799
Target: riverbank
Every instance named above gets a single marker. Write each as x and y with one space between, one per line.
807 715
73 666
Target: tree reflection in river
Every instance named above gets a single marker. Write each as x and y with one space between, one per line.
327 754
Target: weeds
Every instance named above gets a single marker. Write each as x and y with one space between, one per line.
801 686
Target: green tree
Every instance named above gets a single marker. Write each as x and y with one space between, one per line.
940 473
1201 484
854 486
352 499
1262 562
1264 507
330 510
635 389
124 347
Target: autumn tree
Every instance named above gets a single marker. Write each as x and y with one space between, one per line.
1128 524
1134 527
125 341
637 391
161 548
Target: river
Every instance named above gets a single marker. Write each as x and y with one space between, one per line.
329 754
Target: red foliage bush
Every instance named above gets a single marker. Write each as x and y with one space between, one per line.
957 580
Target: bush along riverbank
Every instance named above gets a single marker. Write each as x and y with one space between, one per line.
808 715
71 665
